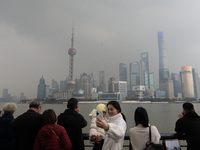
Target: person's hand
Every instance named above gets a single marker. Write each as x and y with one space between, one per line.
98 138
100 123
93 138
180 115
77 109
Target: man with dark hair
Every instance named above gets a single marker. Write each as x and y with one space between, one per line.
27 125
73 122
188 125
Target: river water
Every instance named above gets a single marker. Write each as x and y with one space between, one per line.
162 115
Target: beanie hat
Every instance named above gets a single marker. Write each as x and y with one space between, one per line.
101 107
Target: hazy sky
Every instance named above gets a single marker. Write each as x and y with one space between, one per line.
35 36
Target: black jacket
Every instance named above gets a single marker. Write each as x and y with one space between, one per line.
26 127
6 132
73 123
189 126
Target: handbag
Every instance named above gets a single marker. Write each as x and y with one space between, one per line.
150 145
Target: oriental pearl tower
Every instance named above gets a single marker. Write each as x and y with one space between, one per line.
71 52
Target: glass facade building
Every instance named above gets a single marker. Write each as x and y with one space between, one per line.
123 72
134 74
187 82
163 69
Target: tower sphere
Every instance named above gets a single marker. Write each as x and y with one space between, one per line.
72 51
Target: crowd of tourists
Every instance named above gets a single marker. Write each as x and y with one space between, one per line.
34 131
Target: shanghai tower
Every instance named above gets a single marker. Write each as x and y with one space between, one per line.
163 69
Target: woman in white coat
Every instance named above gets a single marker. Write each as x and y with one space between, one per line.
139 135
115 128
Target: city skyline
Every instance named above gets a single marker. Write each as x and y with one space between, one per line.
35 38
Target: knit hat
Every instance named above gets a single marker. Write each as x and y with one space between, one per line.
101 107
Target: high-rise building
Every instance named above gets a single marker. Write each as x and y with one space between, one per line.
187 82
167 86
102 85
134 74
22 97
111 87
144 69
41 93
196 83
176 83
85 85
123 72
149 80
163 69
121 87
55 84
5 93
146 77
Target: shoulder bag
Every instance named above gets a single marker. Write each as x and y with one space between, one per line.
150 145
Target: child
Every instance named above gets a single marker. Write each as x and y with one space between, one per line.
97 134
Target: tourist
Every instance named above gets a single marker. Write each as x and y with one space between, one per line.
73 122
115 128
96 134
139 135
6 127
51 135
27 125
188 124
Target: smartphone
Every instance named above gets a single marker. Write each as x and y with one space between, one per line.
99 114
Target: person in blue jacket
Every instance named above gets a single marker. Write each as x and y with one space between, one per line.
6 127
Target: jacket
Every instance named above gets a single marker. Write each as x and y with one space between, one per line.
115 135
139 136
73 123
6 132
52 137
26 127
189 125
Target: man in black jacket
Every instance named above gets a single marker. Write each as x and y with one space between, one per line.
27 125
73 122
188 125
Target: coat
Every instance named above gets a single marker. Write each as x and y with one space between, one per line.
73 123
52 137
6 132
189 125
115 135
139 136
26 127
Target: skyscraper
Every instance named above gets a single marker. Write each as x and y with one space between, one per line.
177 83
134 74
196 83
55 84
5 93
163 69
41 89
85 85
146 77
145 60
187 82
111 83
102 85
122 72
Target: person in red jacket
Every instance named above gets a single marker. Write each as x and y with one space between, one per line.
51 136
